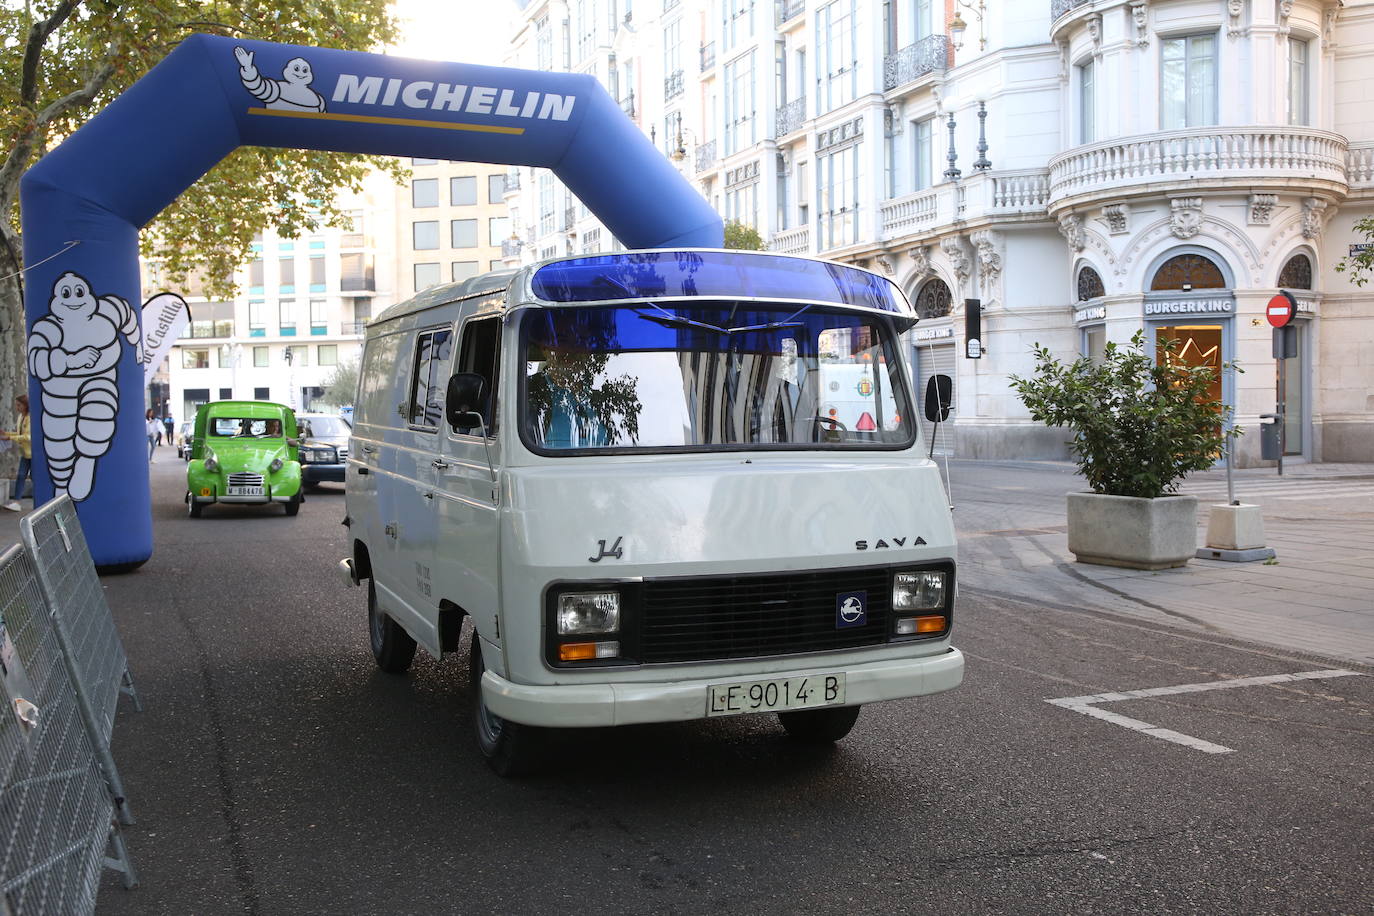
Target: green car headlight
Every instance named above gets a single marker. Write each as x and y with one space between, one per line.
211 462
275 466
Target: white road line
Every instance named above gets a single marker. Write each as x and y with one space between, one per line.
1087 704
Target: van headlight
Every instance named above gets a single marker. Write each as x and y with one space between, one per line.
211 462
275 466
588 612
918 591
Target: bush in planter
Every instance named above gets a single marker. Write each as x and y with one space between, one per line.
1140 426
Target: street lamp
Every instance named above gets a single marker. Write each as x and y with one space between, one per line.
957 26
679 152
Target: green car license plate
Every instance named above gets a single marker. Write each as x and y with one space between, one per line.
777 695
244 491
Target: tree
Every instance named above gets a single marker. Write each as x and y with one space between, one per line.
61 61
1361 263
342 385
741 235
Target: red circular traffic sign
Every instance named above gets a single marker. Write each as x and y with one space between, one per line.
1281 309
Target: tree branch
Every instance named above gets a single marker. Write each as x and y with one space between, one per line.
33 49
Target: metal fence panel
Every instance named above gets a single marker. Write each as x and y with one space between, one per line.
56 807
67 577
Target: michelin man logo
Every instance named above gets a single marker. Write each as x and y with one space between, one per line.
74 354
290 93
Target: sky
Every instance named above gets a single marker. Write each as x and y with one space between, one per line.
465 31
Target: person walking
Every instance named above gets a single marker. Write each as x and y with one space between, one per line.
170 424
21 439
154 426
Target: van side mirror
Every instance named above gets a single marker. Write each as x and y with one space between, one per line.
464 400
939 393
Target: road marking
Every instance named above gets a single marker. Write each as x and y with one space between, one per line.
1087 705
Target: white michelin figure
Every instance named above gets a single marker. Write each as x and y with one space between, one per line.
74 354
290 93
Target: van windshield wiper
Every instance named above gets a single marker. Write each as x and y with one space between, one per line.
670 320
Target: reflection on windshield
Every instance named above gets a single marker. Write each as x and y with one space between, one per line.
711 374
322 427
245 427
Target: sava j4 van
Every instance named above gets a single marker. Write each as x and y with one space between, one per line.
664 485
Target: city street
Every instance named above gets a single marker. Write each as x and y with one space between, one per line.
274 770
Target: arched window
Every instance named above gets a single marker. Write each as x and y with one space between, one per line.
1089 284
934 300
1297 273
1188 271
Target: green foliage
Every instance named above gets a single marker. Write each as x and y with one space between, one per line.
1360 265
740 235
342 385
1140 426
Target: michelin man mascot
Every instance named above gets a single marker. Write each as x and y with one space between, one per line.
74 354
290 93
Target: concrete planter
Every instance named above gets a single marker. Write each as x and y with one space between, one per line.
1132 532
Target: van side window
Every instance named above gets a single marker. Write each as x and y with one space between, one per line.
427 379
478 353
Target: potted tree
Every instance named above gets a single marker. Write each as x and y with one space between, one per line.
1139 427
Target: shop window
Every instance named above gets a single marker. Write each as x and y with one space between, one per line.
934 300
1297 273
1188 272
1090 284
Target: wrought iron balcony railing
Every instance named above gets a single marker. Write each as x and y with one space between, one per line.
929 55
706 155
790 117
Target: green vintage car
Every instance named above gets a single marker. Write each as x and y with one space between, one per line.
244 452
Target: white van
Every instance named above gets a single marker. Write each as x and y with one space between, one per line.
632 473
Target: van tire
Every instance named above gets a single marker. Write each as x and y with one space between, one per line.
510 748
392 646
820 726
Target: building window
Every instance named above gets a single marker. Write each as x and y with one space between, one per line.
262 394
286 275
257 321
1090 284
424 192
255 281
494 265
426 275
923 138
425 235
286 313
463 233
546 215
498 230
1188 272
738 25
739 104
1296 273
1094 342
318 324
543 44
462 192
317 273
300 356
461 270
328 355
837 55
1087 104
742 203
1297 82
837 184
1188 82
260 357
226 394
224 357
197 358
934 300
496 189
417 161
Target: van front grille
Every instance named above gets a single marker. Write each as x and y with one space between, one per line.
687 620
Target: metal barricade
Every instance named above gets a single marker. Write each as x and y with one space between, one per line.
57 825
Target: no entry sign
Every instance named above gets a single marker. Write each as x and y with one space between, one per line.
1281 309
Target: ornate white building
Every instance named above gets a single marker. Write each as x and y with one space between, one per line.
1086 169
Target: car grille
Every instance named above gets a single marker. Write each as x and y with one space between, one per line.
752 616
245 480
343 453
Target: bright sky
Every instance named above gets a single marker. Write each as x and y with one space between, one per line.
465 31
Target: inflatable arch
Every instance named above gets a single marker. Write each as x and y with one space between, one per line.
211 95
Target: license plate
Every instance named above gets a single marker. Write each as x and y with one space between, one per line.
780 694
244 491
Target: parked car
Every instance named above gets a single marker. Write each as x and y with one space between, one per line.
244 452
323 447
183 440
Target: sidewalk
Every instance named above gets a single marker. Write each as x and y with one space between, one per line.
1317 597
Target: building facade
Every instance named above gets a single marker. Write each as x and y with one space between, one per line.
1085 169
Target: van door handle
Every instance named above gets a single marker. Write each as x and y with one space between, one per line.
440 464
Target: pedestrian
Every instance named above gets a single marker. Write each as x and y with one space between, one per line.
20 438
154 426
169 423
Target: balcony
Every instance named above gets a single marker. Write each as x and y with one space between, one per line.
791 241
929 55
569 219
708 56
673 85
787 10
512 180
982 196
1211 157
790 117
706 155
1060 7
353 327
627 104
1359 168
510 248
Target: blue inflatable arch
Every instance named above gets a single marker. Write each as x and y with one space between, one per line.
211 95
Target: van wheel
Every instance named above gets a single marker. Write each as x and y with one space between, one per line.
294 505
193 508
392 646
510 748
820 726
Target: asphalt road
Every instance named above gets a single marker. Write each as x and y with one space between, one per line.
274 770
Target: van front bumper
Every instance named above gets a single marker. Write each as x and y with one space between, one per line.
592 705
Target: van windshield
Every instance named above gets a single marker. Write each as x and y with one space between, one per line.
709 375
